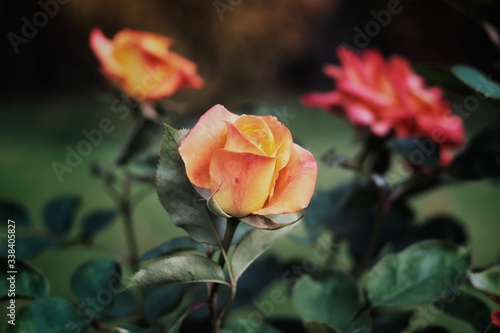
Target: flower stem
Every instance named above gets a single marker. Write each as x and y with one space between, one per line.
125 209
384 203
232 224
124 206
488 328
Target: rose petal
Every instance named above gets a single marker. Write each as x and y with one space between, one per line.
446 157
186 70
161 82
333 71
495 316
153 71
362 92
103 49
446 130
327 101
380 128
155 44
283 141
359 114
241 181
238 142
205 138
142 64
295 184
257 131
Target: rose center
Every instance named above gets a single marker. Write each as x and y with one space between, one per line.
259 137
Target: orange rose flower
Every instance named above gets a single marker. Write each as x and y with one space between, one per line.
385 95
142 64
249 163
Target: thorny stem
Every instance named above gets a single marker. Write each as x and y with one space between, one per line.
232 224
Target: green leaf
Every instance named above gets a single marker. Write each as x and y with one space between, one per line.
180 269
422 273
59 214
186 207
468 308
252 246
477 81
98 279
267 223
255 280
125 303
440 75
339 210
28 281
315 326
333 299
162 300
173 246
408 148
487 281
361 325
48 315
28 247
177 325
324 206
248 326
214 207
15 211
96 221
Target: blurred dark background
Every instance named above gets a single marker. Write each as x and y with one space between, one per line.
257 52
247 48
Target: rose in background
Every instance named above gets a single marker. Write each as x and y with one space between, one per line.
249 163
495 316
142 65
387 95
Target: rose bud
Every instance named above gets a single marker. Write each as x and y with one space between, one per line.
249 163
142 65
